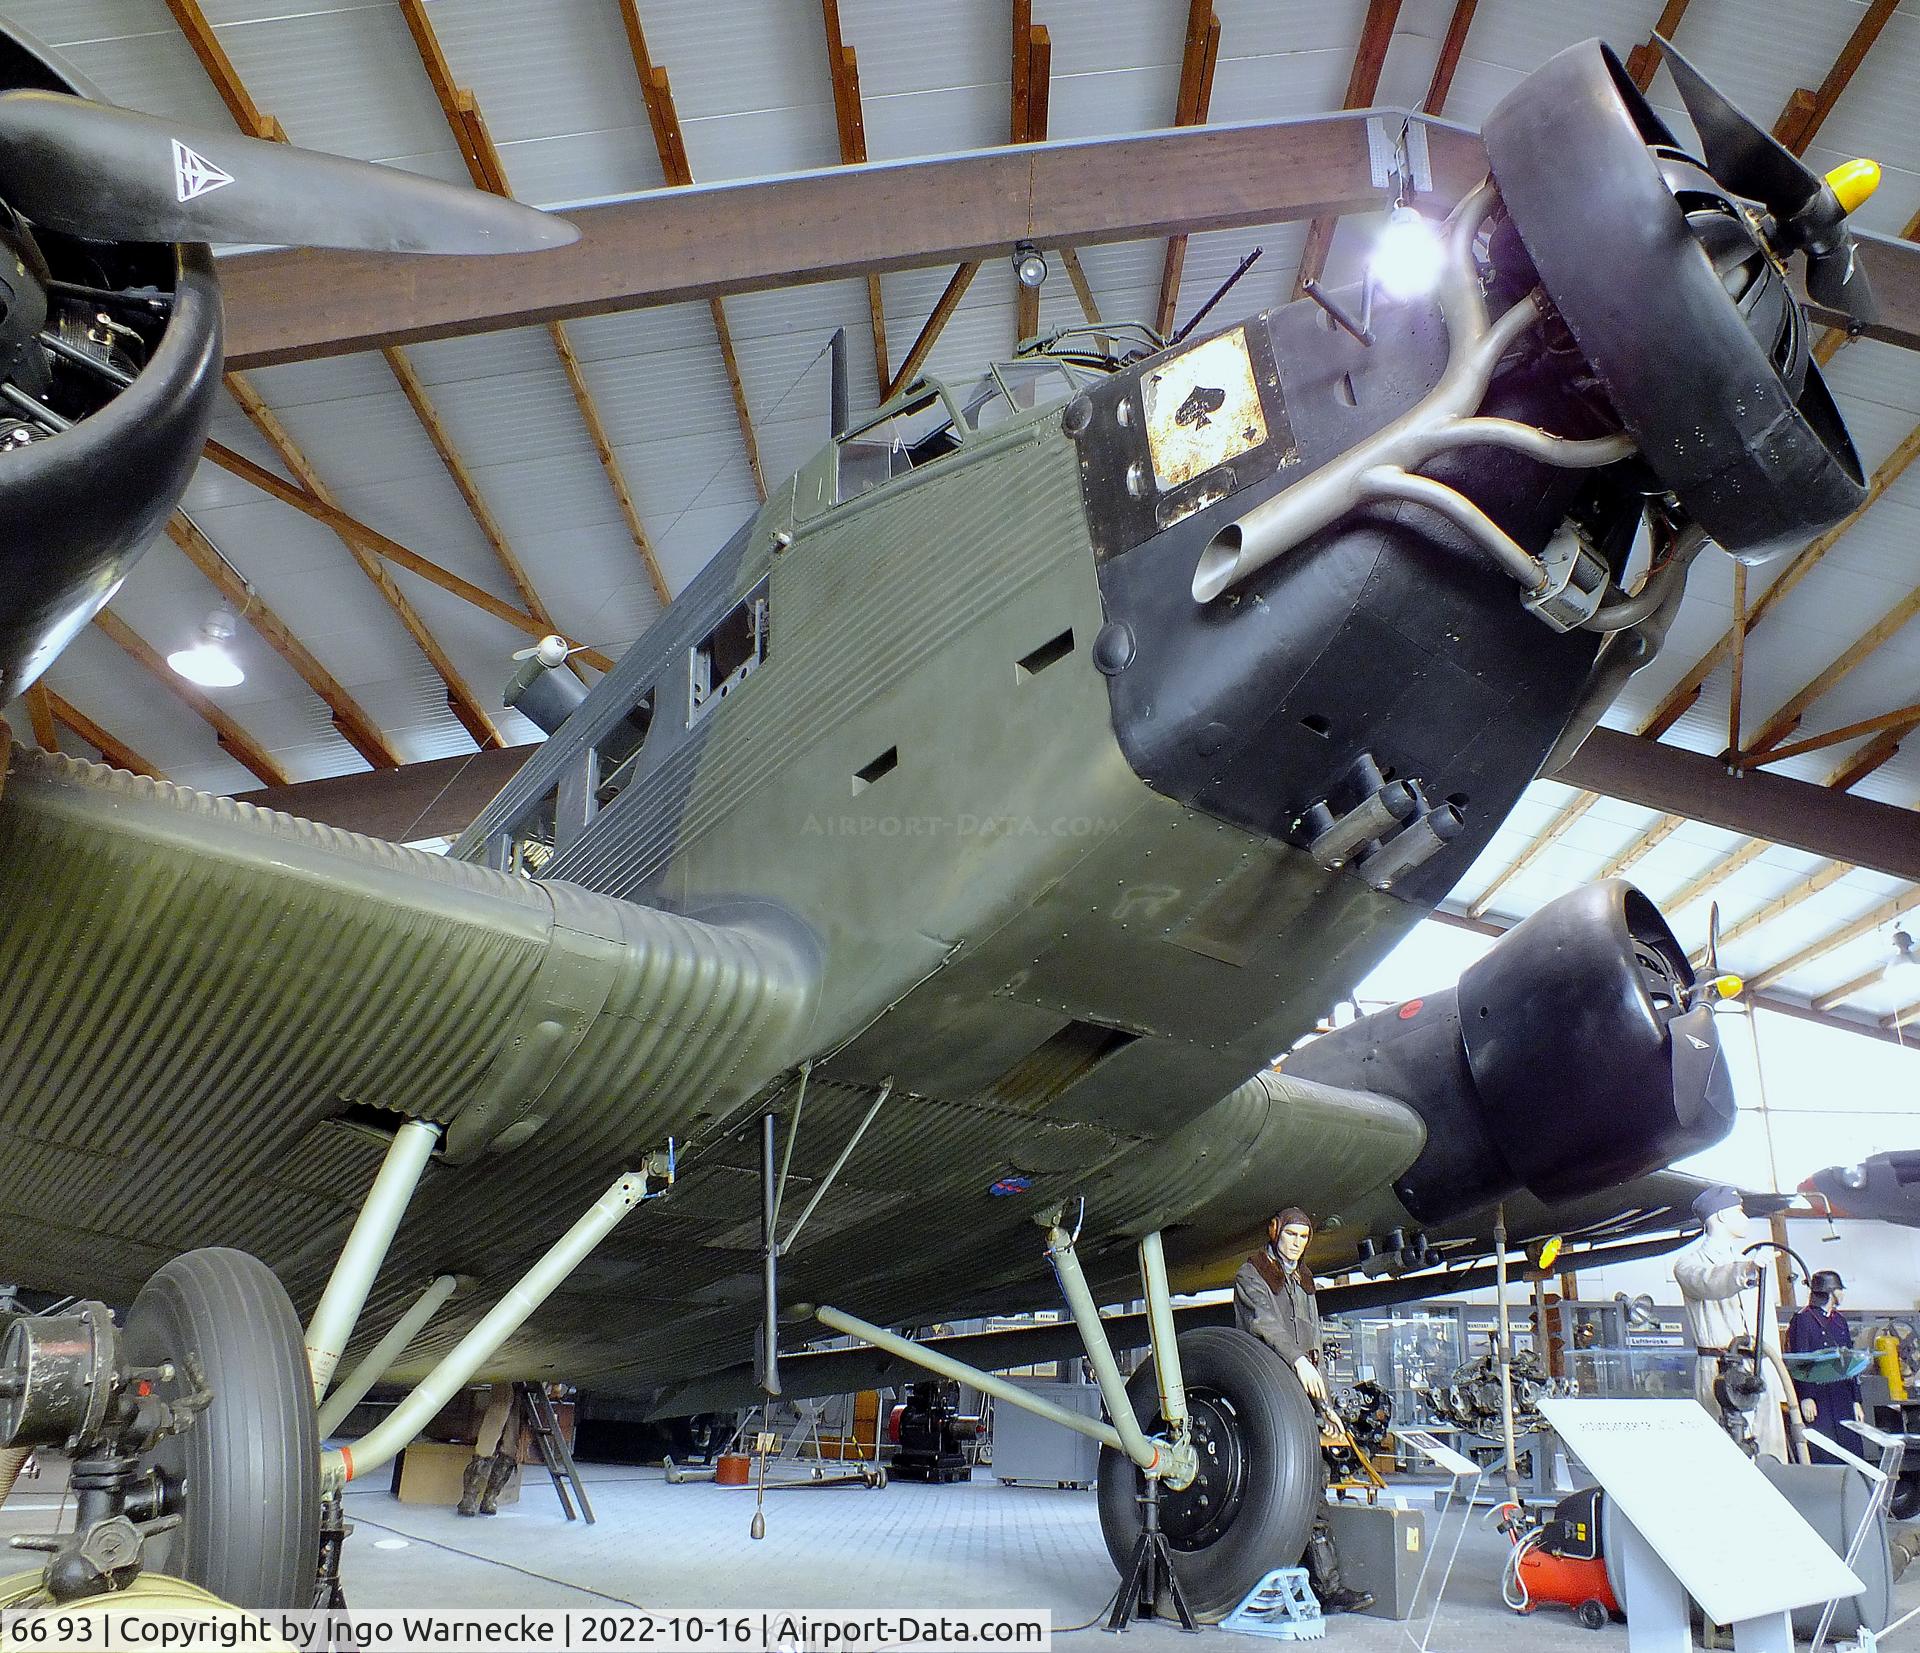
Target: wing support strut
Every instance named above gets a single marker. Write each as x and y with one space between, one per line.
773 1188
338 1311
515 1308
1169 1458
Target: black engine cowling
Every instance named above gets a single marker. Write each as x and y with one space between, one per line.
1568 1060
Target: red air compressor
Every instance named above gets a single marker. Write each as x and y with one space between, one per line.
1559 1561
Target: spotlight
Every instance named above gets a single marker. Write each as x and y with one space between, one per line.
208 661
1904 962
1029 264
1408 257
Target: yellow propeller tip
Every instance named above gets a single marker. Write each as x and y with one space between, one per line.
1853 182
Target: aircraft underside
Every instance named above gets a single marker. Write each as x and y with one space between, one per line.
170 1100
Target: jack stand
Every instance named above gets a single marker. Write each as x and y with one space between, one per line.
1152 1564
328 1596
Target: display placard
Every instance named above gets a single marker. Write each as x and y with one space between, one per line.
1733 1541
1437 1451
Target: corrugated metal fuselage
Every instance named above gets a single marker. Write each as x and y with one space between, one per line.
907 844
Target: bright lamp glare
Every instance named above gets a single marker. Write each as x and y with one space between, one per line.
207 664
1407 258
1904 963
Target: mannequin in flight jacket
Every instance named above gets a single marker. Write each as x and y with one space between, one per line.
1273 1299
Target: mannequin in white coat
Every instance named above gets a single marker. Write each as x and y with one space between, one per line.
1719 1289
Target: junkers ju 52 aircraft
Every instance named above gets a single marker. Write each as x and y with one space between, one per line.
722 1029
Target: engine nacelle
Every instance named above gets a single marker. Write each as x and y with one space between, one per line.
1570 1059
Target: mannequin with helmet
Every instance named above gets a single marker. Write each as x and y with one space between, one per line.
1821 1325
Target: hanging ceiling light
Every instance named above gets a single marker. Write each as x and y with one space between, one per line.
1408 257
1905 962
209 662
1029 264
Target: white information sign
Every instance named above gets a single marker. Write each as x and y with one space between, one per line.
1438 1452
1733 1541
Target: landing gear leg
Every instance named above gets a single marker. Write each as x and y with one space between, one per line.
1155 1443
328 1596
1152 1565
457 1367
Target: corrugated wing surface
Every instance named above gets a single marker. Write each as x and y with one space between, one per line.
201 993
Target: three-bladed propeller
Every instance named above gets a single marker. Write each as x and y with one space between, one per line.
1808 214
110 321
111 174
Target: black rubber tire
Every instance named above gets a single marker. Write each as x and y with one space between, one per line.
1592 1614
1282 1485
1903 1504
249 1466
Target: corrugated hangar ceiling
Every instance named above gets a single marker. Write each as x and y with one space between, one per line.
405 515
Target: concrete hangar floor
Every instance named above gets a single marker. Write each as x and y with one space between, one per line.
972 1545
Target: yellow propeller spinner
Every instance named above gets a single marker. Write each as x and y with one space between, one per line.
1853 182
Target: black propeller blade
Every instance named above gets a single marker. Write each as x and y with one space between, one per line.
1838 280
1750 161
114 175
1742 154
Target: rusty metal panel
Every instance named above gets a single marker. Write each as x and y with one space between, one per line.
1202 408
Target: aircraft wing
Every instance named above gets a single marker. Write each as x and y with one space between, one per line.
1645 1218
1882 1187
193 984
1658 1203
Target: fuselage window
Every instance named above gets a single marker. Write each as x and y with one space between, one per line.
529 844
619 749
722 660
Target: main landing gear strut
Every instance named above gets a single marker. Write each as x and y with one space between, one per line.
1211 1460
195 1432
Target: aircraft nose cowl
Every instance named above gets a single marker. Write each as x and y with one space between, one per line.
1591 1069
1565 1062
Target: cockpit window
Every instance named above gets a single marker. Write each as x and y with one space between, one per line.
1010 389
929 424
911 436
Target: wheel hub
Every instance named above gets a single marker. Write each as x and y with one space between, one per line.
1195 1515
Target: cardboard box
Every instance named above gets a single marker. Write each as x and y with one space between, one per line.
430 1472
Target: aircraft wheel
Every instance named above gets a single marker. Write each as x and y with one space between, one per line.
1904 1503
245 1474
1260 1484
